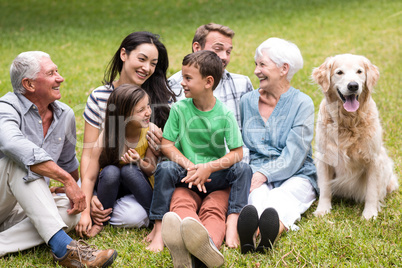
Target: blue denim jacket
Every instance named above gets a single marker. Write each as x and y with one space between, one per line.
281 147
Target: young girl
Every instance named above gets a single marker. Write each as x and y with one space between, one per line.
141 60
122 155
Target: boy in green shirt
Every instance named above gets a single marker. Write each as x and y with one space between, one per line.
194 140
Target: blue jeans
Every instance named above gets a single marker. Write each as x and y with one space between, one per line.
168 176
115 182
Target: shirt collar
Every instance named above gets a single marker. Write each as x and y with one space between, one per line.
226 74
26 105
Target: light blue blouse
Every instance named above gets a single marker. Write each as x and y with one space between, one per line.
281 147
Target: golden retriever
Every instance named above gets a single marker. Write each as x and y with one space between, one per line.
350 157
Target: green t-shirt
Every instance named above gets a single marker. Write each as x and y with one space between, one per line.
200 136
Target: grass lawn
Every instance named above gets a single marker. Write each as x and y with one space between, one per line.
82 36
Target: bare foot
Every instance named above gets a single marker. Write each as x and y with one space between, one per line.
156 244
232 238
96 229
157 241
150 236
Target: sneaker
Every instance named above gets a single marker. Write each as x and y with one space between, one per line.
81 254
247 225
171 236
199 244
269 229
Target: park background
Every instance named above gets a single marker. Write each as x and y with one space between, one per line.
81 37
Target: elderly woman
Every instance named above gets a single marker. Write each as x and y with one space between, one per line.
278 124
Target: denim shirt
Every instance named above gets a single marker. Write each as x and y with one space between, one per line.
22 139
281 147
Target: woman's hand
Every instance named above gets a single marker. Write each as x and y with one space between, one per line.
257 180
98 214
84 225
131 157
154 137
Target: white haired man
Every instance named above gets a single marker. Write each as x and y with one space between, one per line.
37 142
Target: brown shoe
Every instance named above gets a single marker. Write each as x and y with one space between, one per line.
81 254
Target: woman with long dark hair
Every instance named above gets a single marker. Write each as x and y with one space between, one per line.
141 60
122 162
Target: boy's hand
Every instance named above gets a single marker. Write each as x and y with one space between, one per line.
190 172
131 156
198 175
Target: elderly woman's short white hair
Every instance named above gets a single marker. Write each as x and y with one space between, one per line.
25 65
281 51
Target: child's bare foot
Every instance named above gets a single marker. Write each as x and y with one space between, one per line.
96 229
150 236
156 244
232 238
157 241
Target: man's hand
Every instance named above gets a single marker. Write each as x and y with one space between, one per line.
154 137
257 180
57 190
77 198
98 214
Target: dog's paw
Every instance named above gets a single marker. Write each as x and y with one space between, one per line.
322 211
370 213
322 208
319 213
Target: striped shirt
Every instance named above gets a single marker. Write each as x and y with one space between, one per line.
95 109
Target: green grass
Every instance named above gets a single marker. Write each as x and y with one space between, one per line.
81 37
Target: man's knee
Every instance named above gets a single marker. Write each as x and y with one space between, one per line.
63 204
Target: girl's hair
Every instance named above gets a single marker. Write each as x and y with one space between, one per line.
25 65
281 51
156 85
120 106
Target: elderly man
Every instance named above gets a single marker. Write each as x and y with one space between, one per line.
37 142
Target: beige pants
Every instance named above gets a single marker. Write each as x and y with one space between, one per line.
29 214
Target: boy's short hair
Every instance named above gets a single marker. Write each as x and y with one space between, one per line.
201 33
208 63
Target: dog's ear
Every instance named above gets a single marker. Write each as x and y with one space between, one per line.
322 75
372 74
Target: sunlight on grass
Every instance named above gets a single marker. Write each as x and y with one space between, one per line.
81 37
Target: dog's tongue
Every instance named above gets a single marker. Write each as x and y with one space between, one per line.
351 104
